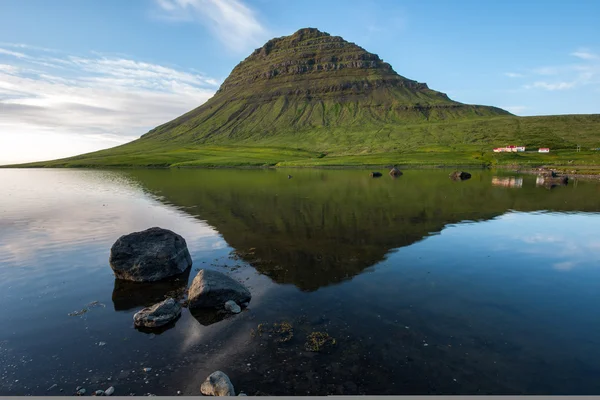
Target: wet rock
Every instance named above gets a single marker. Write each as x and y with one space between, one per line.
375 174
395 172
460 175
149 256
147 369
211 289
99 393
109 391
158 315
217 384
232 307
80 392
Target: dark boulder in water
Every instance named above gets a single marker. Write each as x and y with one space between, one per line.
460 175
395 172
375 174
212 289
150 255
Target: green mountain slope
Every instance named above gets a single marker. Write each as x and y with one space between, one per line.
316 99
311 80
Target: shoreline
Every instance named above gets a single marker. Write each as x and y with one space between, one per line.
560 169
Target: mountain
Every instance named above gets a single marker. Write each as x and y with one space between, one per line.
314 99
307 81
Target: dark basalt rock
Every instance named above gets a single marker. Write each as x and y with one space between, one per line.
460 176
150 255
395 172
375 174
212 289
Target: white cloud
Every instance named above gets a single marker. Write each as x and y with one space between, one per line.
89 102
569 76
585 54
234 23
551 86
12 53
547 71
513 75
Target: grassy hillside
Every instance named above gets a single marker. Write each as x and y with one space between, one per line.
313 99
461 142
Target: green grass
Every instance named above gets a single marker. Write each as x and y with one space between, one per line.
467 142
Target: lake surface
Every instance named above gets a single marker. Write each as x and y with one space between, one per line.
428 286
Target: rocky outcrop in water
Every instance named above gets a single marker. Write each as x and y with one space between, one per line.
460 176
150 255
217 384
395 172
212 289
158 315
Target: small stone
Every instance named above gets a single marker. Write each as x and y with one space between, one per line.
101 343
109 391
232 307
217 384
81 392
242 394
147 369
159 314
99 393
179 393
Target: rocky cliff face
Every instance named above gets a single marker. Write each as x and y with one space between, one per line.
312 80
317 63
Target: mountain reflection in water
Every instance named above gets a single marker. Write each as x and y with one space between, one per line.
323 227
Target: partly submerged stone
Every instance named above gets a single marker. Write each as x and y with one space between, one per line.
212 289
395 172
158 315
460 175
217 384
150 255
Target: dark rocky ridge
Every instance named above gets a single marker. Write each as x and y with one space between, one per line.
312 54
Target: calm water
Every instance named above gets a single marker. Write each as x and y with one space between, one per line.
429 286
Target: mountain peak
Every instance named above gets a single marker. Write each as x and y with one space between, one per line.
309 80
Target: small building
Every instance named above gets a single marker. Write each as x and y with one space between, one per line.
544 150
509 149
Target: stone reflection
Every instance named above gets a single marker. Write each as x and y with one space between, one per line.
128 295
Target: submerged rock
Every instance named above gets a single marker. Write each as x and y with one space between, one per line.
375 174
460 175
232 307
150 255
158 315
217 384
212 289
395 172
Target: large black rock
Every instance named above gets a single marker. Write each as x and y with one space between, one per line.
149 256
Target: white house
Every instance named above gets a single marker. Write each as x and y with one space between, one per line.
544 150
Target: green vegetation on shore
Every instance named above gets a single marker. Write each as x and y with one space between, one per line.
465 143
312 99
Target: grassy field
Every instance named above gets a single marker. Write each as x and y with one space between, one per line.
457 143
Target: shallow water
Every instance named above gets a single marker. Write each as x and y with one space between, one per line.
429 286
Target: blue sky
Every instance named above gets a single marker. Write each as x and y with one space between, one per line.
77 76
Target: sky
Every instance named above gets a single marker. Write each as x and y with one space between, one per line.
78 76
